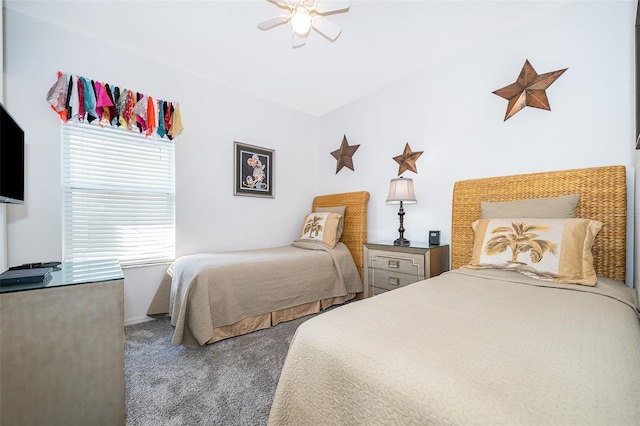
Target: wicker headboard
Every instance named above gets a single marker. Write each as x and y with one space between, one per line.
603 197
355 221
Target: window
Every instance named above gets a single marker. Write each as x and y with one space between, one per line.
119 196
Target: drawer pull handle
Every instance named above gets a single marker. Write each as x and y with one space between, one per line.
394 281
394 264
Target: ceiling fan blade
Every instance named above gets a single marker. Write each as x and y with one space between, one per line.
328 6
273 22
280 3
326 27
298 41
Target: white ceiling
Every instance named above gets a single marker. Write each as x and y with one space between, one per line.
381 41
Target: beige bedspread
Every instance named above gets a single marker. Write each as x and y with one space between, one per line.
469 347
204 291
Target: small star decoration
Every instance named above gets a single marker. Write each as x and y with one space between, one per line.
407 160
344 154
528 90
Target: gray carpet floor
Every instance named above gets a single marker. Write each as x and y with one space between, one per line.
231 382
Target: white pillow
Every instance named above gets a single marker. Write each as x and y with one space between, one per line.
321 227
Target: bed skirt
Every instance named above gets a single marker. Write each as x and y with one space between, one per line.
260 322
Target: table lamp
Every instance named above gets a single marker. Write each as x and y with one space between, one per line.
401 191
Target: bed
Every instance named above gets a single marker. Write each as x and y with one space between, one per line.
483 345
214 296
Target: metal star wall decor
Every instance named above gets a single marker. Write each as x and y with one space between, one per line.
344 155
528 90
407 160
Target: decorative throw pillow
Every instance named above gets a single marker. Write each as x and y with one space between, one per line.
321 227
338 209
557 250
563 207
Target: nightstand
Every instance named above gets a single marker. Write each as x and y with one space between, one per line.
387 267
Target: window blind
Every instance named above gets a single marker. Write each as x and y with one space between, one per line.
119 196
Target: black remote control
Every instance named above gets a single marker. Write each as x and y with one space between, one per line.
52 264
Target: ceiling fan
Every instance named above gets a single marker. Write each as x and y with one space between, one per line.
305 15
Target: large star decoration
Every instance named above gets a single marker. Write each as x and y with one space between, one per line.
528 90
407 160
344 154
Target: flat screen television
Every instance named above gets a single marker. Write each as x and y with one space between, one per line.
11 159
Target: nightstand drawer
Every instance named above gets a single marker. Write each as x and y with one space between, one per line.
390 280
404 263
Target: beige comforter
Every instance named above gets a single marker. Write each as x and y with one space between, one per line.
204 291
468 347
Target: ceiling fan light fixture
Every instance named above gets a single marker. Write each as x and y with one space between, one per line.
301 21
304 16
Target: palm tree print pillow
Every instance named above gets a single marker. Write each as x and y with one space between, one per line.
321 227
557 250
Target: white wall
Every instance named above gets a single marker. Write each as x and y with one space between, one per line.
208 215
447 111
450 113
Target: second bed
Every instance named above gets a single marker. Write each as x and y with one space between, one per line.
214 296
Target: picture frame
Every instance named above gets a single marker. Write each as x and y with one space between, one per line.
253 170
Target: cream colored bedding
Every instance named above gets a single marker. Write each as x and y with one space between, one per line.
469 347
204 292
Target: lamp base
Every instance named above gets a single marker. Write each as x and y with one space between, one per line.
401 242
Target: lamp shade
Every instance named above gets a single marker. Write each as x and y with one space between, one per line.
401 189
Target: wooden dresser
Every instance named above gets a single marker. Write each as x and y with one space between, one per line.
62 348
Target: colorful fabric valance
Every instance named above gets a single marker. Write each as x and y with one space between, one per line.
79 98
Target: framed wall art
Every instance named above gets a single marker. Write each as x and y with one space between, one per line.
253 170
